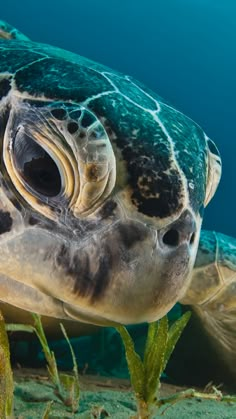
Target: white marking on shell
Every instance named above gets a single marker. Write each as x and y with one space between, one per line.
173 152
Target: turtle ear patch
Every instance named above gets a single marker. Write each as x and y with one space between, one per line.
214 171
5 222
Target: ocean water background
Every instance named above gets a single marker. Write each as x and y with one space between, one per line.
185 50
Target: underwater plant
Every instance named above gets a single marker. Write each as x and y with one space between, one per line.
6 377
145 374
66 386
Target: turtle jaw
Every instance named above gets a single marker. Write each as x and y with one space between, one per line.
144 294
150 293
129 300
123 273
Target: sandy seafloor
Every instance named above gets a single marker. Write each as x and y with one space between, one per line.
112 397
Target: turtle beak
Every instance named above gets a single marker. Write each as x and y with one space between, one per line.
160 280
162 271
143 271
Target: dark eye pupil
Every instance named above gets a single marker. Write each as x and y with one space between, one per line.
36 167
42 175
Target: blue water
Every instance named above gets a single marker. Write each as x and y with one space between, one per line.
183 49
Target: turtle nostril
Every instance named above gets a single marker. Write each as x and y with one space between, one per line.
171 237
180 231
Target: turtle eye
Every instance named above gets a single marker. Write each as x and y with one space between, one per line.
35 166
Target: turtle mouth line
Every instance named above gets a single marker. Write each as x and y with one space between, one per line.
25 297
77 313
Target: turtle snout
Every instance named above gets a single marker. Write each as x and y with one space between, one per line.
181 231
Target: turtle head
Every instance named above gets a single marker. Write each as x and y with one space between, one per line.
101 207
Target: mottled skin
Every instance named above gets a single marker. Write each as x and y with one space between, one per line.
103 187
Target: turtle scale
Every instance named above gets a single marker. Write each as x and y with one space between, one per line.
216 258
216 248
131 91
11 63
194 144
81 83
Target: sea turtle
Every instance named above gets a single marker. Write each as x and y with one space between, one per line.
103 189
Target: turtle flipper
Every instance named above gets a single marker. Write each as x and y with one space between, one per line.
220 329
212 296
9 32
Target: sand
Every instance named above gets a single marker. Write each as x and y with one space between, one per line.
103 397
